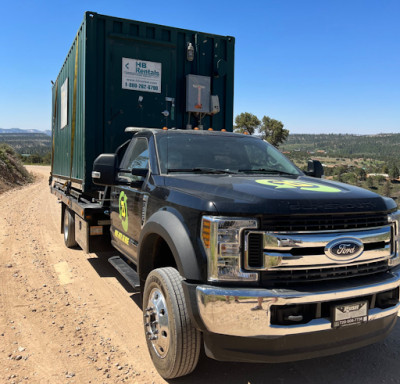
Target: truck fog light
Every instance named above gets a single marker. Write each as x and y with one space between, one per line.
221 238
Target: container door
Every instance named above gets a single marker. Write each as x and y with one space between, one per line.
140 85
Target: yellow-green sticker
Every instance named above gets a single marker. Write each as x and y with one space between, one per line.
295 184
123 210
122 237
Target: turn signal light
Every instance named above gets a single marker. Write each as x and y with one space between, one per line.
205 233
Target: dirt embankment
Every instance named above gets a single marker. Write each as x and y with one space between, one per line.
12 171
67 317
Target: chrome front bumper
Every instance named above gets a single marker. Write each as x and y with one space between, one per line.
221 314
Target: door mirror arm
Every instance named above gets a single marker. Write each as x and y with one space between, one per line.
140 172
136 184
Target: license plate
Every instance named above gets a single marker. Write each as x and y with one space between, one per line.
350 314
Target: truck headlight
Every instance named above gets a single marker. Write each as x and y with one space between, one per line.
221 238
395 219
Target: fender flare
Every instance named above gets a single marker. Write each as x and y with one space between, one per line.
170 228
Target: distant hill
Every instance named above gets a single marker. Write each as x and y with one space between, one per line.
27 143
382 146
19 130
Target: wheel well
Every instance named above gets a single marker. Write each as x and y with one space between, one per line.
154 253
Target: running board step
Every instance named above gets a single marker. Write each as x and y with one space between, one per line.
129 274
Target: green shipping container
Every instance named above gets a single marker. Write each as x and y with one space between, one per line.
122 73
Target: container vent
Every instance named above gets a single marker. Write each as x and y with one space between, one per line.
134 29
166 35
150 32
117 27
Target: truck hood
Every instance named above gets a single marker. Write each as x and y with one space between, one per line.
237 194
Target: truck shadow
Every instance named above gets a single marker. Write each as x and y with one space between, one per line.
377 363
104 269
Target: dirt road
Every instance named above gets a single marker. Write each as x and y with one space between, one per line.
67 317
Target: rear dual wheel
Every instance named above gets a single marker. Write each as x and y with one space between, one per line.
173 342
69 228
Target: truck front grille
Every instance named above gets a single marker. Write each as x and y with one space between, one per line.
296 249
312 275
325 222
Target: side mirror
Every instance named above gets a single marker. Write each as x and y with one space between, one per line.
314 169
104 169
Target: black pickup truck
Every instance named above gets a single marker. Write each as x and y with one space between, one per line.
234 248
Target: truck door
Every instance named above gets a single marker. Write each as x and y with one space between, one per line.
128 199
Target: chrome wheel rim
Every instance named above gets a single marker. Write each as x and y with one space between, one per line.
156 322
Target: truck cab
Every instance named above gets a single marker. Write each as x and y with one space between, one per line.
238 249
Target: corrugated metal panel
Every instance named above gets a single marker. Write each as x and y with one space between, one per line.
70 138
105 106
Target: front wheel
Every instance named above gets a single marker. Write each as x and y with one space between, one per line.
173 342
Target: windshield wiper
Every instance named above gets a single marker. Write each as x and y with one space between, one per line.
201 170
267 171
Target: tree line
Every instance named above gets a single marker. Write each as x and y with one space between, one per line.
382 146
36 158
267 128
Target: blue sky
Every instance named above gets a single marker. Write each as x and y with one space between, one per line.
319 66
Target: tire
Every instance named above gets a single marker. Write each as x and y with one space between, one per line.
69 229
173 342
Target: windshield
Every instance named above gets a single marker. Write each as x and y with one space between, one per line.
201 153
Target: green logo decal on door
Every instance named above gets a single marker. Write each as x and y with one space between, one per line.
123 210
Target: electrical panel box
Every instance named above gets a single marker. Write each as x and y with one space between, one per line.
198 93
